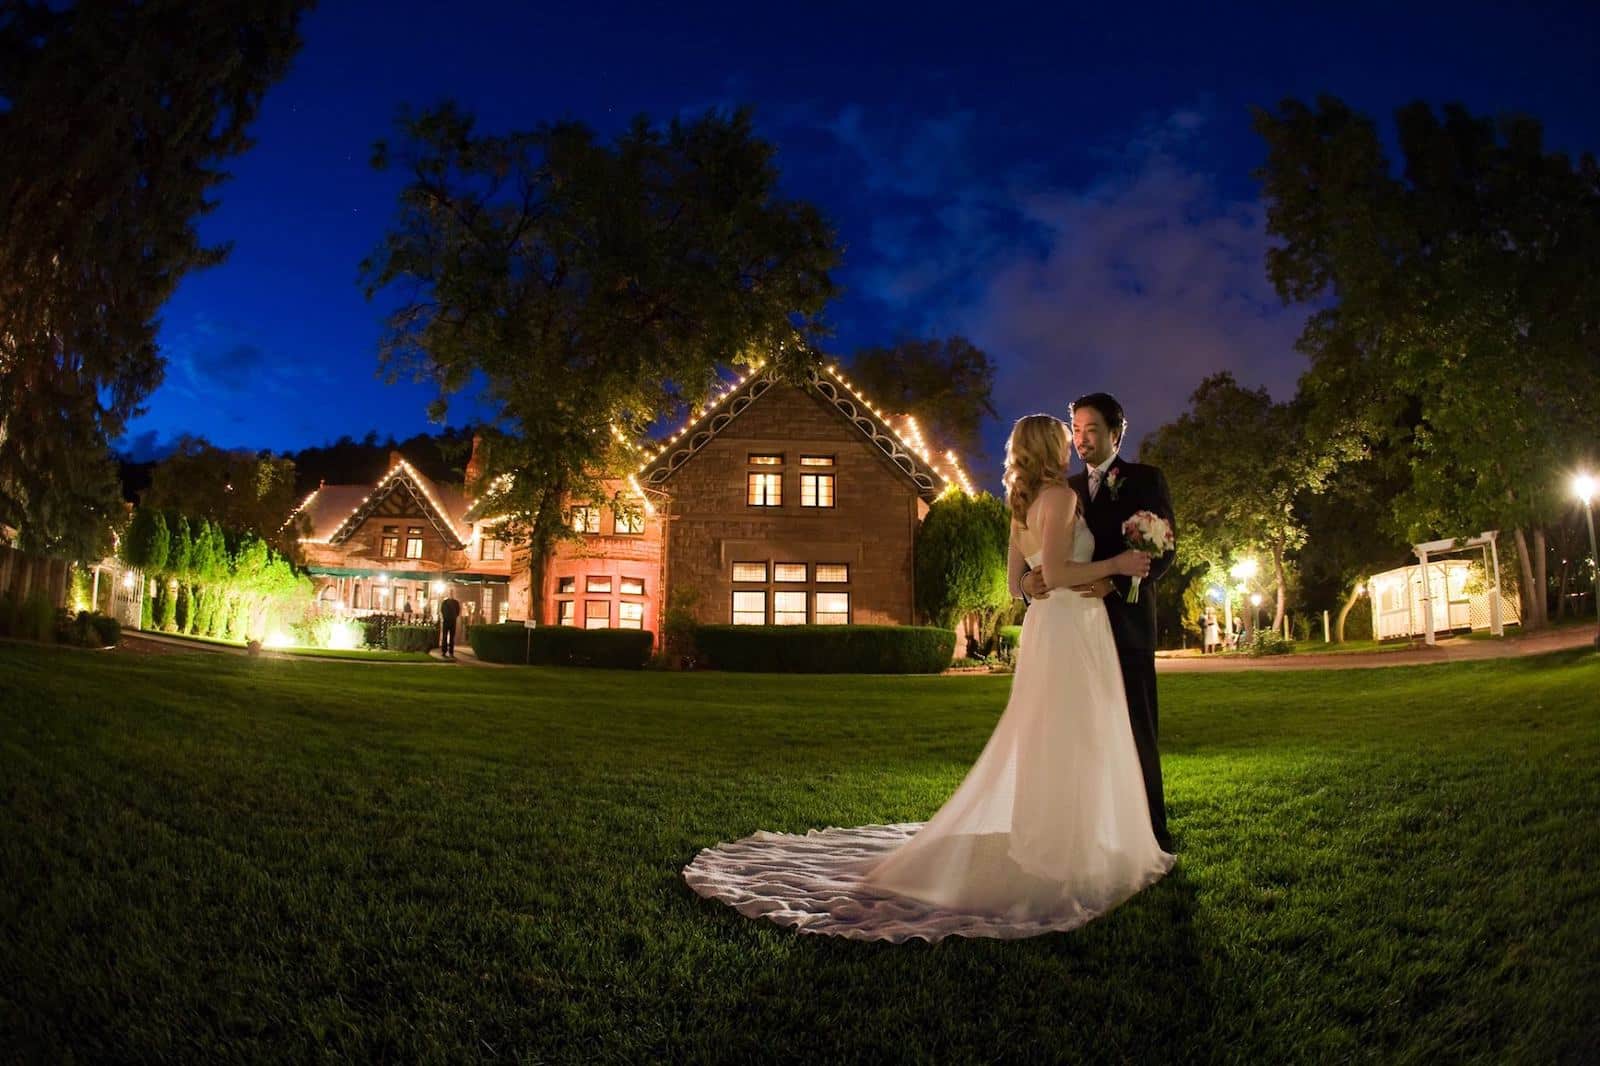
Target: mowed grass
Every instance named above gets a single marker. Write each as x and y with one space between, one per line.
216 857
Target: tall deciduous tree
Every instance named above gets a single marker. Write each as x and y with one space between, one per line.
1236 461
237 489
1466 286
947 384
594 287
114 117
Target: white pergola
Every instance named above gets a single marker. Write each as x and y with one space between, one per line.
1487 543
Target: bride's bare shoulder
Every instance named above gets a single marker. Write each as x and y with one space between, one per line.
1058 495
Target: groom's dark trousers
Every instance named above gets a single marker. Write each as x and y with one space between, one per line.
1136 487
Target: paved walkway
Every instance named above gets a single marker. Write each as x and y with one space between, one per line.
1455 649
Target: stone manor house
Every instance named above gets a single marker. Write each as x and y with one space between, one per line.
779 504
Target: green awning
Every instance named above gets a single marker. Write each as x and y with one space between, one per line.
411 575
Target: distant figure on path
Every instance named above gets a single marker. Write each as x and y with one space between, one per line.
449 611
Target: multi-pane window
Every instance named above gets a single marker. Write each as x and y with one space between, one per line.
632 586
630 521
391 542
833 608
789 572
597 614
766 460
750 571
566 585
833 572
567 612
586 519
492 549
630 616
598 583
414 542
789 608
764 490
816 490
749 608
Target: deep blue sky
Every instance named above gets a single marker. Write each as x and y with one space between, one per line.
1069 189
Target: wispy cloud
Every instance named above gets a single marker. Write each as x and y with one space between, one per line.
1140 280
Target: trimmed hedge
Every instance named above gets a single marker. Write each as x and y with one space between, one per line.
510 642
827 649
411 638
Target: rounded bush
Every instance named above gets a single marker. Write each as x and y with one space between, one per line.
411 638
510 642
827 649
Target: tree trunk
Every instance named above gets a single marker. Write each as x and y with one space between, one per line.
1277 564
1531 619
1344 612
1541 575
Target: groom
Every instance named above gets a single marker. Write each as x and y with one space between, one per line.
1112 489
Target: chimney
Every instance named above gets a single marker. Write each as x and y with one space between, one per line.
474 466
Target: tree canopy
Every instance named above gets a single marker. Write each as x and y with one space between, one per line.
1236 462
114 118
947 384
1457 306
591 287
237 489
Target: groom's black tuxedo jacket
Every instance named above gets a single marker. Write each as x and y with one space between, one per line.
1140 488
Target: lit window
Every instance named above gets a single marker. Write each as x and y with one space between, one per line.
788 571
586 519
833 608
566 586
749 608
816 490
789 608
414 542
750 571
630 616
764 490
816 460
630 521
598 583
632 586
492 549
391 547
833 572
567 612
391 529
766 460
597 614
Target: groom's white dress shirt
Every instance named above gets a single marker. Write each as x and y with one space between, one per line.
1097 474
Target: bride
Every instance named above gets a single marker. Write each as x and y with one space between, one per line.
1051 827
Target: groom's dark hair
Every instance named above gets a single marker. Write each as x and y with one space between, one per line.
1109 409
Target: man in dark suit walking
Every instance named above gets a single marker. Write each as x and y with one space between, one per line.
1111 490
449 612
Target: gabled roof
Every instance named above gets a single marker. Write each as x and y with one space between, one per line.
831 387
337 511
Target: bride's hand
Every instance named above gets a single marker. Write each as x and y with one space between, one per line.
1132 563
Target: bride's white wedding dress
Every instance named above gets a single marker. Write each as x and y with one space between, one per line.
1049 830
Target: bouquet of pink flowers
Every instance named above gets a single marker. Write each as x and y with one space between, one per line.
1147 532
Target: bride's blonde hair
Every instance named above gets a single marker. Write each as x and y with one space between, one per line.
1036 455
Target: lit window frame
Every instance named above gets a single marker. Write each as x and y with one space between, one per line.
586 519
820 568
779 579
630 586
567 613
785 616
630 615
762 580
589 616
818 613
600 583
763 489
735 612
819 490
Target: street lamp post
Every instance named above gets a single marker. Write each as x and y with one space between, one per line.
1255 612
1584 487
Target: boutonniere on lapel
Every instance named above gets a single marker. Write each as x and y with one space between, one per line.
1114 481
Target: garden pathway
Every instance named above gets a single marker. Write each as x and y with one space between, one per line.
1456 649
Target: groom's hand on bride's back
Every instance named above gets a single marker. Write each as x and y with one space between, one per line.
1033 584
1095 590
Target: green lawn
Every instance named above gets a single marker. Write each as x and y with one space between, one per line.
212 856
